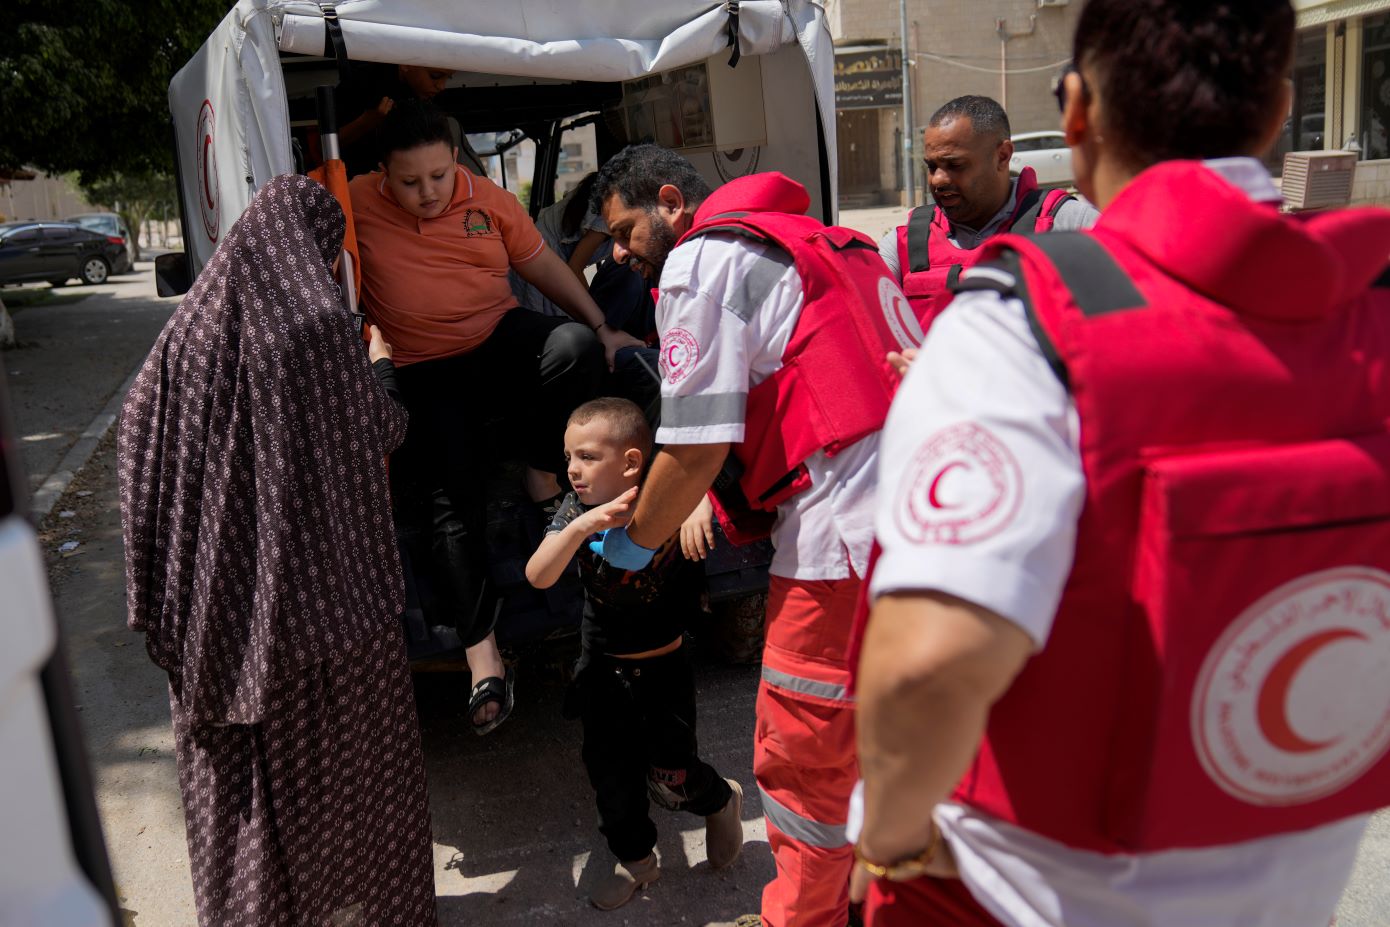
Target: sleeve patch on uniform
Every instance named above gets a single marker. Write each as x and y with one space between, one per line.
964 485
680 352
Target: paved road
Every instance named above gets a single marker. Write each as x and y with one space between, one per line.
74 353
513 822
515 840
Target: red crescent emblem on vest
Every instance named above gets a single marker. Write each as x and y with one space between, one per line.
1273 702
1292 703
897 312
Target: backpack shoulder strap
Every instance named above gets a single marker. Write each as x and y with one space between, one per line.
1095 280
1026 216
1054 201
919 225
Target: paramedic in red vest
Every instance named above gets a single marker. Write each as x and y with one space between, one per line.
974 197
731 309
1125 664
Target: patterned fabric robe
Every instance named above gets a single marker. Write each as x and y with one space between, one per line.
261 566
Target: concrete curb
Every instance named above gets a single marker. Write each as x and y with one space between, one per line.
47 495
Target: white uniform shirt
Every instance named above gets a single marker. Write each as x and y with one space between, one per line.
726 311
982 486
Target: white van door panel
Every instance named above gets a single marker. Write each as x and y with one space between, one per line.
231 126
42 884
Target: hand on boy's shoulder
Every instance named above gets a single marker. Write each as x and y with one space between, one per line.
600 518
613 514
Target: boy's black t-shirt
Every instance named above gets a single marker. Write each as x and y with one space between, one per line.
632 611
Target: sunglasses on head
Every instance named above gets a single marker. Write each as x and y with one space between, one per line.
1059 86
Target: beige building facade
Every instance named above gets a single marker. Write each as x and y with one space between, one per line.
1341 81
1011 50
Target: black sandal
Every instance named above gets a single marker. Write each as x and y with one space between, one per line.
492 689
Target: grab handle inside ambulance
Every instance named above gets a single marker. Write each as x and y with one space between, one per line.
333 175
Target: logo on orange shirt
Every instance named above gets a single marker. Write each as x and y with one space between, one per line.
476 222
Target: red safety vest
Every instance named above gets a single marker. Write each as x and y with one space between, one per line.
1219 666
930 263
835 384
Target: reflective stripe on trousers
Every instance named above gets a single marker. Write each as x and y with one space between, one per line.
799 827
804 751
830 691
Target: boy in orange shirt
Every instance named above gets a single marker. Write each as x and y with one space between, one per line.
436 243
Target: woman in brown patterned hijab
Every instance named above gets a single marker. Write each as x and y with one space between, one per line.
261 565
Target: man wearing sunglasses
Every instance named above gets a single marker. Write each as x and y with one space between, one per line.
974 198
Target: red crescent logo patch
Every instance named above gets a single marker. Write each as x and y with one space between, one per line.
1293 702
963 485
680 352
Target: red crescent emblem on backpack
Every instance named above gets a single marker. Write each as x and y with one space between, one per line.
1273 703
1292 703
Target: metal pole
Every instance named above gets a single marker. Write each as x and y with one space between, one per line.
909 177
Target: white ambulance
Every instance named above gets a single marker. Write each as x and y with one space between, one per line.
735 86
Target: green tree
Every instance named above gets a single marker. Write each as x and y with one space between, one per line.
136 197
84 87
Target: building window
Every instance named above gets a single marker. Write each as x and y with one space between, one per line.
1307 125
1375 87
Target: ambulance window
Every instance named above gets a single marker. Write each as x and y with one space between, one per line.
578 158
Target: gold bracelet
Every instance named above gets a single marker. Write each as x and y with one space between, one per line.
906 869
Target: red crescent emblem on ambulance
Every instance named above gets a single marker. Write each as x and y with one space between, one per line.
1292 703
979 499
680 352
208 197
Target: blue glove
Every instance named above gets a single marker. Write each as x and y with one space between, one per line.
618 549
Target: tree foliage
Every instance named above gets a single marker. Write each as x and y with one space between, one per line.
136 197
84 86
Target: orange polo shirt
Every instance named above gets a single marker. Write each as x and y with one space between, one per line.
438 287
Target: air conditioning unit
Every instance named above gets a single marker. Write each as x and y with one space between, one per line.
1043 3
1316 179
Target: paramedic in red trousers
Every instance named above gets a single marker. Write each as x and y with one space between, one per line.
1126 663
734 312
974 198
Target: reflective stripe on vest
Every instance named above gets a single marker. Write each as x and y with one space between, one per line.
812 833
803 686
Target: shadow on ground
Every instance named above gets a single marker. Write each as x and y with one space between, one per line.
514 822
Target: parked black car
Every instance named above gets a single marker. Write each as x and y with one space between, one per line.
57 252
113 226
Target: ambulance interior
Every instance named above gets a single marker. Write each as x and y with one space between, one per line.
714 115
729 121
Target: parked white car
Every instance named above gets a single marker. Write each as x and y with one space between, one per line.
1047 154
